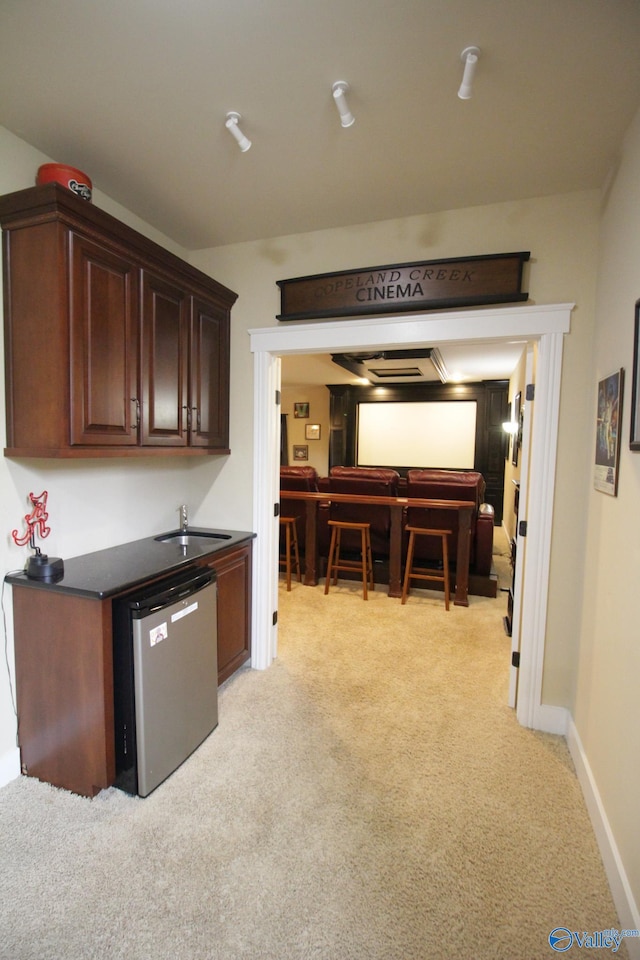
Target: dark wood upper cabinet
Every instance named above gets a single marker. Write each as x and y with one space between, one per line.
209 380
104 346
113 345
165 331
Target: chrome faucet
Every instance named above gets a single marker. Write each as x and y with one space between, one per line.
184 516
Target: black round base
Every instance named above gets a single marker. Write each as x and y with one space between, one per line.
42 567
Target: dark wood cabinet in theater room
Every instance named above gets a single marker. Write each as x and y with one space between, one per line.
496 412
114 346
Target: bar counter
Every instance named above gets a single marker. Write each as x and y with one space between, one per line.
463 508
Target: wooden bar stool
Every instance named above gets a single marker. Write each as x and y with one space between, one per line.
365 564
426 573
290 540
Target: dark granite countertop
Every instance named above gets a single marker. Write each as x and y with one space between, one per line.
117 570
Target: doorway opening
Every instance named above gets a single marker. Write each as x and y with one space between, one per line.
544 324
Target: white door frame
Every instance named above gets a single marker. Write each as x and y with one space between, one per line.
545 324
521 542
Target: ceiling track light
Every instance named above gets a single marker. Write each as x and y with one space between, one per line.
339 90
469 57
231 123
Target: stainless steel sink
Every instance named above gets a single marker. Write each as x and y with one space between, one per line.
191 537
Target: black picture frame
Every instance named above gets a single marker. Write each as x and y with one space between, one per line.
634 428
517 437
608 433
300 451
507 435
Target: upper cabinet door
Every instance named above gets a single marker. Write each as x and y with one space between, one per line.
103 346
164 368
209 375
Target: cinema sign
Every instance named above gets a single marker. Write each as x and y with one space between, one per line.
402 287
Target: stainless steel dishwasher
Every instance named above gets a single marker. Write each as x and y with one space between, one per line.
165 678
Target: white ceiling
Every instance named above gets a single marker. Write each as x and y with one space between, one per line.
477 361
135 92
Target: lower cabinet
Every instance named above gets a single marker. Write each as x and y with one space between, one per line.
64 673
233 574
64 689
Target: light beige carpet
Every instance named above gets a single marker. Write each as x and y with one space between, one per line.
369 797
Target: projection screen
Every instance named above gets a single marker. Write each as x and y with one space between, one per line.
433 434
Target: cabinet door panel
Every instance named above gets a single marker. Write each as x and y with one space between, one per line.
233 574
209 375
165 333
497 409
64 684
103 343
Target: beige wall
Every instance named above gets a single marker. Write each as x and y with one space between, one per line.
608 674
318 399
561 233
593 628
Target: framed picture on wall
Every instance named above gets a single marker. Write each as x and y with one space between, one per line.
312 431
634 435
506 426
517 436
608 422
301 411
300 451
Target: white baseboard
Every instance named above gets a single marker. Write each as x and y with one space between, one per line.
9 767
620 889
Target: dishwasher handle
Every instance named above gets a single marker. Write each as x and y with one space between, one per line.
149 603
